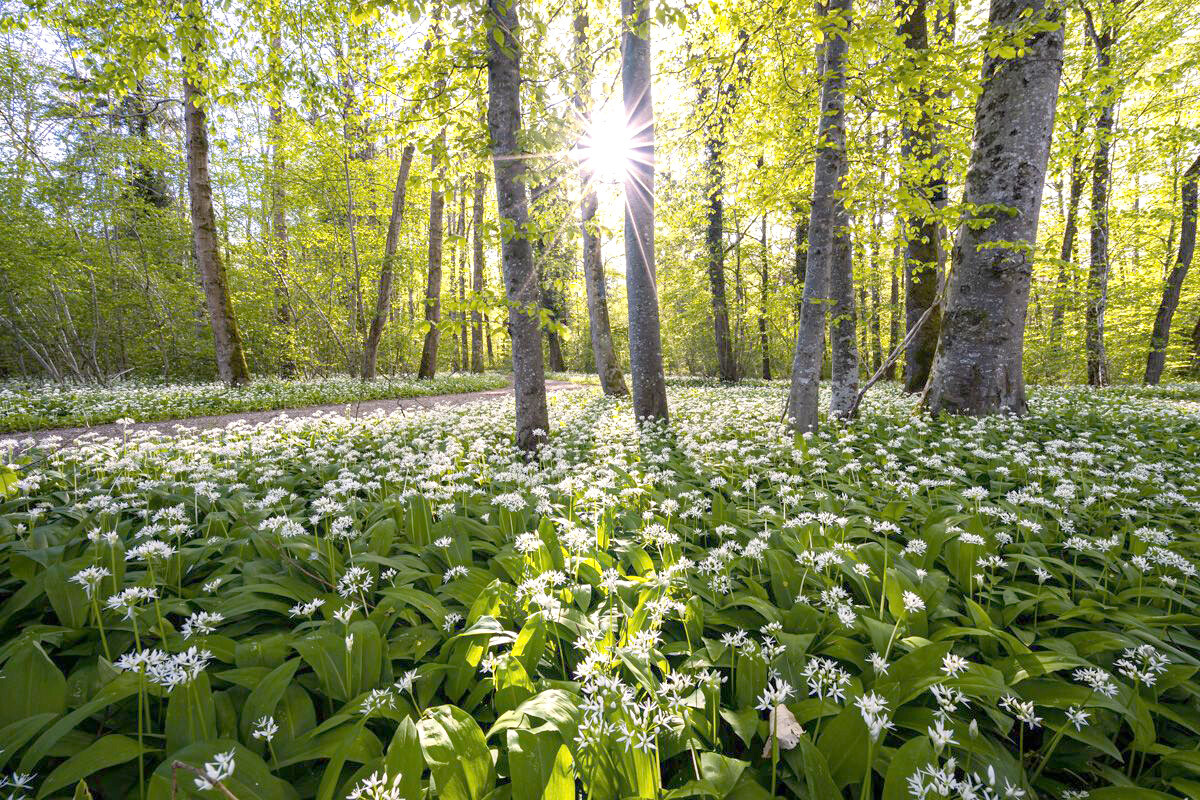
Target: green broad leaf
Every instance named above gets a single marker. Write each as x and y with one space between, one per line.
191 714
18 733
540 765
744 723
513 685
404 758
721 772
912 755
265 696
459 760
1127 793
124 685
31 685
105 752
251 779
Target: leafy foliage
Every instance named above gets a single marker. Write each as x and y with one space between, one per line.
398 606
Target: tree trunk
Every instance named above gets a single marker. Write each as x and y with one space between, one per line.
844 354
520 276
893 313
231 360
764 339
827 171
927 190
1066 254
1097 357
477 265
433 285
1159 338
714 240
612 381
645 343
383 298
978 366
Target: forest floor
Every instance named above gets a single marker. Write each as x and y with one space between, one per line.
63 437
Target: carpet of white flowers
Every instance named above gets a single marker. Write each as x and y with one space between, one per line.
34 405
404 607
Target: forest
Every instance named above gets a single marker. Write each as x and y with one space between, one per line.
415 399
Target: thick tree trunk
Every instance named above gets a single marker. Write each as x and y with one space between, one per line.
927 191
1097 357
827 171
801 258
477 265
844 351
433 284
231 360
645 343
383 298
1066 253
520 276
1161 334
978 365
764 339
612 381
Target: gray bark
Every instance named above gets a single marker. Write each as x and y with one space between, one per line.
921 155
844 351
477 265
645 343
433 283
1098 268
1159 338
764 339
612 381
231 360
512 204
831 154
383 298
978 365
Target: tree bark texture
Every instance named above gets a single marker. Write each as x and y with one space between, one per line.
1159 338
231 360
512 203
383 297
645 343
477 267
827 171
978 365
844 351
1098 268
433 283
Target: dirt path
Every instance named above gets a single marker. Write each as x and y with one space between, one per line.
67 436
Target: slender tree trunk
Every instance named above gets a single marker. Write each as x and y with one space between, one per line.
1097 357
520 276
978 365
1161 334
460 250
926 188
612 381
764 339
231 360
827 171
1066 254
714 238
433 285
801 258
844 351
477 265
383 298
645 343
876 336
894 312
278 252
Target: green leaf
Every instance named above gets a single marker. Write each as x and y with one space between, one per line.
105 752
30 685
251 779
458 758
912 755
540 765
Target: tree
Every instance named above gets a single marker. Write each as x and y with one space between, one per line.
1160 336
383 298
608 368
512 203
924 193
231 360
978 366
844 354
1103 40
645 344
834 18
477 269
